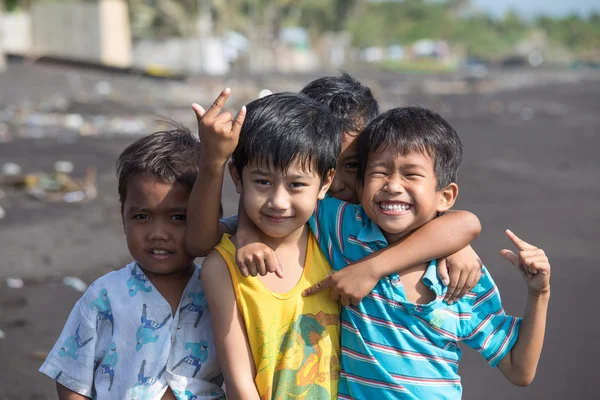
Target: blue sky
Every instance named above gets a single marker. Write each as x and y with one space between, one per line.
533 7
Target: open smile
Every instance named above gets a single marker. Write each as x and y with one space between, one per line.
394 208
160 254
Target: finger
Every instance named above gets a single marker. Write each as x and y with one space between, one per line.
251 267
442 270
462 281
345 300
510 256
454 277
470 283
224 118
260 265
520 243
198 110
216 107
239 122
241 265
316 288
272 264
335 295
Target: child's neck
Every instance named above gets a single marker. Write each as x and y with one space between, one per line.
291 240
171 286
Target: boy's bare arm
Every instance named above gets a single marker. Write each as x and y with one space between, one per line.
520 364
67 394
450 233
218 134
229 332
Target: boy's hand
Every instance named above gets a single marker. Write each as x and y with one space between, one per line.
217 131
257 259
532 263
349 285
460 272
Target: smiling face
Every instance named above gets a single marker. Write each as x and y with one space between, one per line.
279 202
154 215
399 192
344 182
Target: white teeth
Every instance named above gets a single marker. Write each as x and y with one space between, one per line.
395 207
158 251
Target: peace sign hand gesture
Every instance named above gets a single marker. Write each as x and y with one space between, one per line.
218 132
532 263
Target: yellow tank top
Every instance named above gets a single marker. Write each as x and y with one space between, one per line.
295 340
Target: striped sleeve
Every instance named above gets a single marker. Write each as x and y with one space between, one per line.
490 331
332 222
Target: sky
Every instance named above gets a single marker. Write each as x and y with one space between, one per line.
530 8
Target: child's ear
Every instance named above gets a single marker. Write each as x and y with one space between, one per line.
326 184
235 177
448 197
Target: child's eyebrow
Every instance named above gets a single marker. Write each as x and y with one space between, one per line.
182 210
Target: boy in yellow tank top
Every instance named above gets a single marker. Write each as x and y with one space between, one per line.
272 342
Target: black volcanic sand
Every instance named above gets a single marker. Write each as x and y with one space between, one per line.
531 164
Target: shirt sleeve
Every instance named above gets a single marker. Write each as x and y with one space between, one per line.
490 331
231 223
72 359
331 223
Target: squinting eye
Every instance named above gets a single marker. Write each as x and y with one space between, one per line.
140 216
351 165
297 185
179 217
262 182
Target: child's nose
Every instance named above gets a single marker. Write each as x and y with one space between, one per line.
280 199
394 184
158 231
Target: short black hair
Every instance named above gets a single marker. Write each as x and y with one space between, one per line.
348 99
284 128
413 129
169 156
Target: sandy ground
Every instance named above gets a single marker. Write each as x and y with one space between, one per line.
531 164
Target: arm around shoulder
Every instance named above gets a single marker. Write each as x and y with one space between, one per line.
229 331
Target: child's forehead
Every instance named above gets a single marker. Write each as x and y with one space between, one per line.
145 190
296 168
391 154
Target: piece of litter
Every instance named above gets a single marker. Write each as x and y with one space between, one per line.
15 283
11 169
263 93
39 355
66 167
75 283
2 334
74 197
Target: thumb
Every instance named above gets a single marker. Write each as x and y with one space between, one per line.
198 110
316 288
510 256
442 270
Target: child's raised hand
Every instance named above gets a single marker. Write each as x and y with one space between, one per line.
531 262
257 259
218 131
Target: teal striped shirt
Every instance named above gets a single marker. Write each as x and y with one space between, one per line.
393 349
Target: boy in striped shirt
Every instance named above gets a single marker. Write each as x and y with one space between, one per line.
401 341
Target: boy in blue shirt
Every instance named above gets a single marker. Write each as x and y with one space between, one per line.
402 340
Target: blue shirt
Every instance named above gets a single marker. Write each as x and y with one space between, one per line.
121 341
393 349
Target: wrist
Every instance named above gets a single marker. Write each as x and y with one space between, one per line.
212 164
539 295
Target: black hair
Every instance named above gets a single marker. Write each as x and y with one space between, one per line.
348 99
413 129
285 128
169 156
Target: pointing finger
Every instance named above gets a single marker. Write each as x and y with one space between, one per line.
316 288
520 243
216 107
